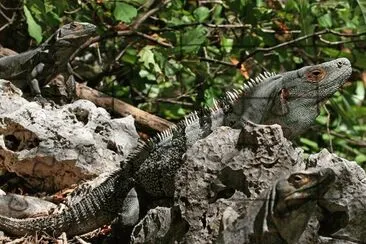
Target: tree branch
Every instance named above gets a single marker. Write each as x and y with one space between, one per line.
122 108
315 34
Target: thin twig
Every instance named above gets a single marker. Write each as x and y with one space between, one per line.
359 143
5 16
157 41
72 11
211 1
122 52
279 31
335 43
6 8
217 61
10 21
144 16
315 34
172 101
223 26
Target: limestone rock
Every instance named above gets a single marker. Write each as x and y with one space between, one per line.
54 147
18 206
243 175
220 181
344 208
160 225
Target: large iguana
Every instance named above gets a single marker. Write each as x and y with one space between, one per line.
283 213
290 99
35 68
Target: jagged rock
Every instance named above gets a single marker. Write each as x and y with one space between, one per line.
219 181
344 208
10 97
54 147
18 206
242 174
160 225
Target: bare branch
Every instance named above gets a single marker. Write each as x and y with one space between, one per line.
157 41
217 61
315 34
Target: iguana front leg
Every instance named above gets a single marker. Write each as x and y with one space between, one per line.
34 84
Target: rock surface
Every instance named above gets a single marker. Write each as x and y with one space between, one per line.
18 206
220 181
54 147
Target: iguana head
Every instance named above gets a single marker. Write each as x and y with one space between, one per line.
74 33
300 187
297 95
295 199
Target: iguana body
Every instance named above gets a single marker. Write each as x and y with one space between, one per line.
284 212
290 99
37 67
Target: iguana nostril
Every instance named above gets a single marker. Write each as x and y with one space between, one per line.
339 64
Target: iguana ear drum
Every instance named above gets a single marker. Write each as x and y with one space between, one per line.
315 75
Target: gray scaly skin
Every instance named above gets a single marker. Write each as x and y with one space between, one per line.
284 212
290 99
37 67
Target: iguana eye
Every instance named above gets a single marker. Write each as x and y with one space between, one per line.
315 75
298 180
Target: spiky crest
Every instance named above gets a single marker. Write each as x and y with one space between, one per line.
229 98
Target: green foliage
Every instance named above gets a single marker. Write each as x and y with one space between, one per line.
34 29
124 12
197 46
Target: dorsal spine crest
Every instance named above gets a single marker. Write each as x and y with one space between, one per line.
228 99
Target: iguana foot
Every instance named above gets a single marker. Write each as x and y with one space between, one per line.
43 101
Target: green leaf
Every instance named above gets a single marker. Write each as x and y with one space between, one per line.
124 12
312 144
193 39
325 20
146 56
361 158
34 29
359 95
360 59
362 4
201 14
146 74
227 44
130 56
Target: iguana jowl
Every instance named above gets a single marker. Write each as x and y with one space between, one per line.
290 99
37 67
283 213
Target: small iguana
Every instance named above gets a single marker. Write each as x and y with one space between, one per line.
284 211
290 99
35 68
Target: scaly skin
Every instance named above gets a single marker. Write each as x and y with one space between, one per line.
290 99
37 67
